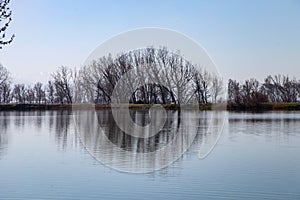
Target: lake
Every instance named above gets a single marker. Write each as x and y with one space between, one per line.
65 155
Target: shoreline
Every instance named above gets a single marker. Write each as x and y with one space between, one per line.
269 106
208 106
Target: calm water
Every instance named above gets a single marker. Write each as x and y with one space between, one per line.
47 155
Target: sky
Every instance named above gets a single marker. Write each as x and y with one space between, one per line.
244 38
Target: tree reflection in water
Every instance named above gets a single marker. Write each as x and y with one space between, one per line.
104 140
122 151
62 127
4 124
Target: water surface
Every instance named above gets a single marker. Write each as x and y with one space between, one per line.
42 156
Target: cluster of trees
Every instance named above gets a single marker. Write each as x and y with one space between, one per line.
151 76
156 76
147 76
278 88
57 90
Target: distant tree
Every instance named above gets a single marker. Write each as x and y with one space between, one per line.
252 94
5 80
298 89
216 88
19 93
30 96
248 94
181 75
63 82
234 92
50 92
5 19
281 88
202 82
5 92
39 92
4 75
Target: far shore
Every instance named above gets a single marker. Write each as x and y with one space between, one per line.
230 107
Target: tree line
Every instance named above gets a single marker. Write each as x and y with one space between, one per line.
251 93
152 76
146 76
57 90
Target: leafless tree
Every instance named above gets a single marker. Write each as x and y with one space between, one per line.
248 94
50 91
216 87
95 81
30 95
5 76
63 82
5 92
202 84
19 93
297 85
39 92
5 80
149 76
181 76
78 92
280 88
252 94
234 92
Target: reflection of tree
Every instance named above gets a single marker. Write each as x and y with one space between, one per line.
130 143
39 118
62 127
24 118
124 151
51 119
4 124
274 125
19 120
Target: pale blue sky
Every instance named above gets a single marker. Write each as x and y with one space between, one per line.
244 38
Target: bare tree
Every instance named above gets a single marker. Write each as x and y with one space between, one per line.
50 92
30 95
281 88
202 82
19 93
234 93
5 76
249 94
181 76
5 80
216 88
63 81
5 19
39 92
252 94
297 85
77 87
5 92
150 76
